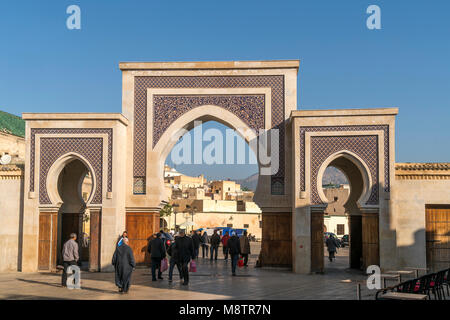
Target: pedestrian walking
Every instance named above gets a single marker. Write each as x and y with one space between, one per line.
185 252
70 256
157 252
234 248
225 245
124 264
331 246
196 240
215 243
205 244
245 247
173 253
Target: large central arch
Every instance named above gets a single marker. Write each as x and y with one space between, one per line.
160 99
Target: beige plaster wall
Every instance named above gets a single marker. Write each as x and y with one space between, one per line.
408 200
331 223
12 145
11 210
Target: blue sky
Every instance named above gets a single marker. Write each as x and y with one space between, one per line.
44 67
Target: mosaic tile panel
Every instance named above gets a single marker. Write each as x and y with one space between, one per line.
384 128
142 83
139 185
366 147
166 109
109 132
54 148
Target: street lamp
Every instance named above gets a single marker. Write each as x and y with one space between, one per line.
175 211
192 212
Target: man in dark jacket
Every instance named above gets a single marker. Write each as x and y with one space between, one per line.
215 243
331 246
157 252
185 251
196 240
245 247
123 262
173 253
234 248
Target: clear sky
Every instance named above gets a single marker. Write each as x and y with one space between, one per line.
44 67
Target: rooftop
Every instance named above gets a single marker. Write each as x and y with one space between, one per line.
12 124
423 166
191 65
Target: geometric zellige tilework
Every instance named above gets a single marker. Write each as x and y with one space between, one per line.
366 147
75 132
386 159
250 115
53 148
166 109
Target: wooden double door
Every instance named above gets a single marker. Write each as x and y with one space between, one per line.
276 246
438 237
364 241
51 241
140 227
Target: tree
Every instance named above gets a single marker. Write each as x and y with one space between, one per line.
166 211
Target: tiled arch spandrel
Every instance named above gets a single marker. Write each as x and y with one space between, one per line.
76 140
166 109
53 148
366 147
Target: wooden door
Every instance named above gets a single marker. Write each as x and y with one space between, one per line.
317 241
276 246
140 227
438 237
370 240
95 240
48 226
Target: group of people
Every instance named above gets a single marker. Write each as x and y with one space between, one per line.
181 248
232 245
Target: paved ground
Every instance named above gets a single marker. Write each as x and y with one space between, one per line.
212 281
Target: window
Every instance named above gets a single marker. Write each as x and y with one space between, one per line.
230 225
246 226
260 224
340 229
335 199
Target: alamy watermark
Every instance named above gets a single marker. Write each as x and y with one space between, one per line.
374 20
74 20
374 279
74 277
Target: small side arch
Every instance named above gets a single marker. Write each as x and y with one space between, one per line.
359 163
55 171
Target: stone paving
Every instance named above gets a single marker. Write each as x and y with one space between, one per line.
212 281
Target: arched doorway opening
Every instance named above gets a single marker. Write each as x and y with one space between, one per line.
214 194
336 222
75 187
359 220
